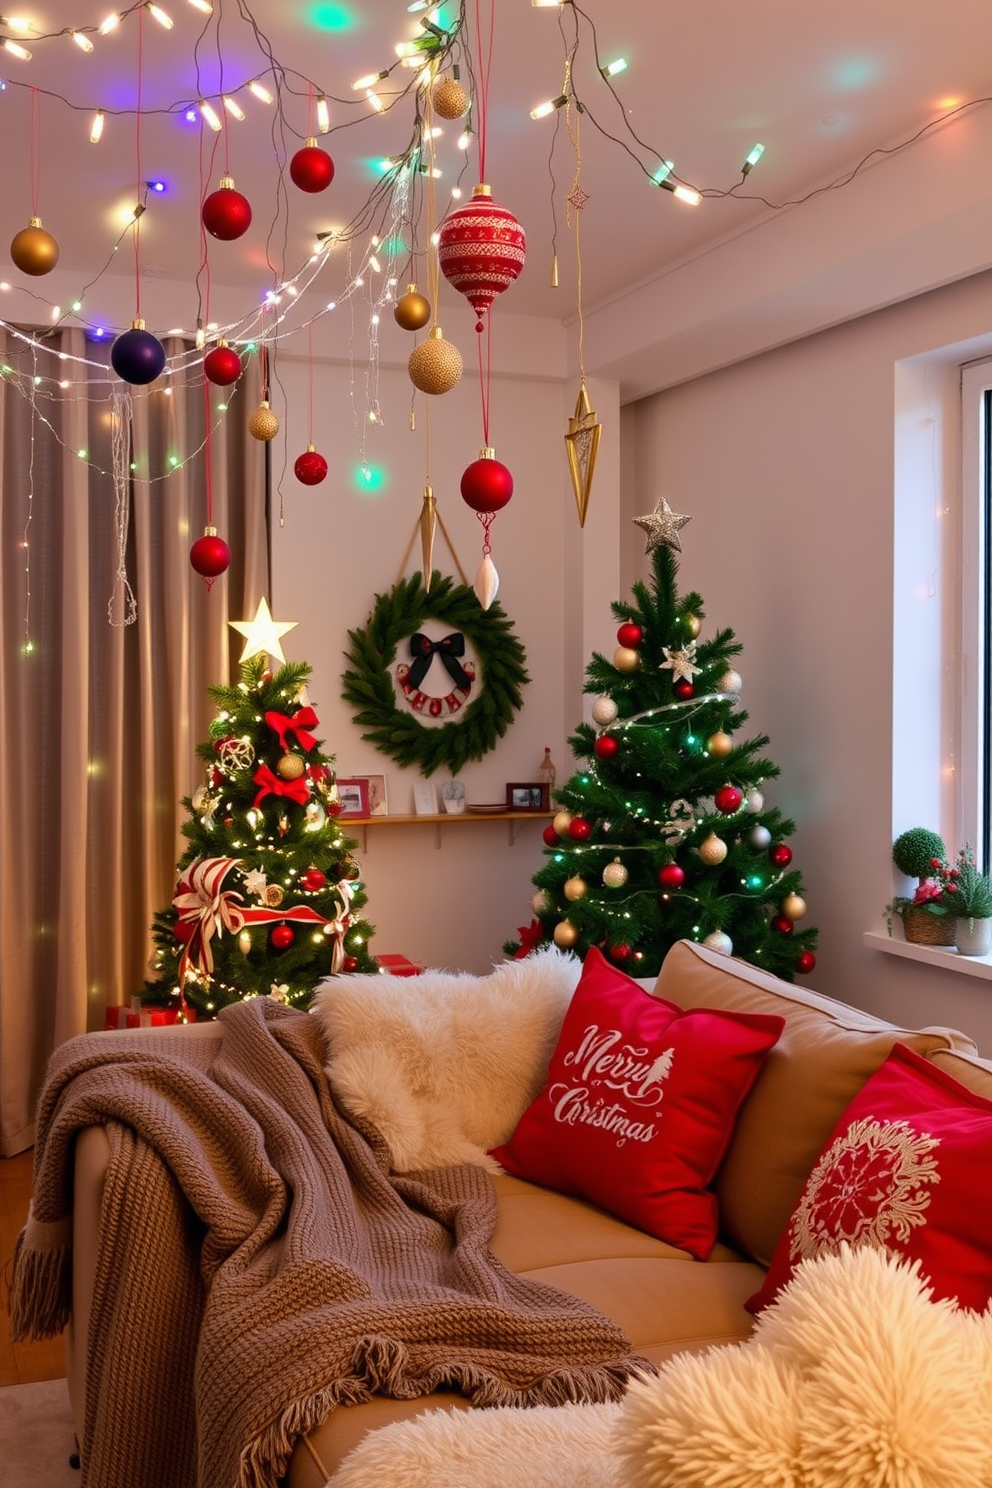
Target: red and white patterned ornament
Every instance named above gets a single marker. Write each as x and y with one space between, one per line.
481 250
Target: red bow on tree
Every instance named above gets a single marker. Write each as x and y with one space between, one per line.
298 724
530 939
271 785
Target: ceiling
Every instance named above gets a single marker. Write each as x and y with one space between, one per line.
820 86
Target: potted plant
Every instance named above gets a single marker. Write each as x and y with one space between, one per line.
971 893
928 915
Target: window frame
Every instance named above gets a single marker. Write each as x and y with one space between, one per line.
975 699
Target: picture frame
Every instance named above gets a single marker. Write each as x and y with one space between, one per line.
425 798
353 794
378 797
527 795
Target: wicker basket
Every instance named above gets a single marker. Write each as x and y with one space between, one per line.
923 928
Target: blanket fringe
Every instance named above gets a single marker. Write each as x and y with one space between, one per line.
40 1298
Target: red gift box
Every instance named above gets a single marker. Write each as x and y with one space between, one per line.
136 1016
399 966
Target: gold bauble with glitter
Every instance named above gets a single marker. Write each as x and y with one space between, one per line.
719 744
449 98
565 934
263 423
615 874
561 823
793 906
33 250
576 888
290 766
412 310
691 625
435 366
712 850
626 659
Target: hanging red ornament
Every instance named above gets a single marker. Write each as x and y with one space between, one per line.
671 876
311 168
310 467
210 555
780 854
782 925
486 484
33 250
222 366
620 952
137 356
683 689
481 250
579 829
282 937
606 746
630 634
350 963
550 836
312 880
225 212
728 799
805 962
183 930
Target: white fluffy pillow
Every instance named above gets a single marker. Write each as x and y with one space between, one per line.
446 1063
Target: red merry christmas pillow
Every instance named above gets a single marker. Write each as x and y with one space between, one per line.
905 1170
640 1104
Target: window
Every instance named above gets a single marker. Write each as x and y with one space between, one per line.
975 788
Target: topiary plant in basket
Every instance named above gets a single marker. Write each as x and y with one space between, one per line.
928 916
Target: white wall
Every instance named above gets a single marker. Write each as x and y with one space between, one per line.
787 464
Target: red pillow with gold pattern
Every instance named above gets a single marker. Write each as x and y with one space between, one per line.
906 1169
640 1104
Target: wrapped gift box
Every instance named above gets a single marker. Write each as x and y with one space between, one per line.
135 1016
399 966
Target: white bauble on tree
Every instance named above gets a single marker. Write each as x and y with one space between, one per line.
615 874
731 682
759 837
754 801
540 903
712 850
719 942
604 710
565 934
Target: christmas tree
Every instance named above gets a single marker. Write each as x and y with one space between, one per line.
268 894
664 834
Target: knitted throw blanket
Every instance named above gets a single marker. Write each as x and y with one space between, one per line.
259 1266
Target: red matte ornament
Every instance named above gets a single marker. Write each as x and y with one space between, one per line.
486 484
630 634
671 876
683 689
311 168
579 829
310 467
222 366
728 799
481 250
550 836
780 854
805 961
225 212
282 937
210 555
782 925
606 746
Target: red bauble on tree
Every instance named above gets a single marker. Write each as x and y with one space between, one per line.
486 484
225 212
282 937
210 555
310 467
579 829
481 250
805 962
550 836
183 930
312 880
606 746
620 952
780 854
222 366
728 799
683 689
350 963
311 168
782 925
630 634
671 876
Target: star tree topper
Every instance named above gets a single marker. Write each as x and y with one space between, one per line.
662 526
263 635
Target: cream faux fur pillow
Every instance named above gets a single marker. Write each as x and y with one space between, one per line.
446 1063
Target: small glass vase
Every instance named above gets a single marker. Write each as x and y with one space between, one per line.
973 935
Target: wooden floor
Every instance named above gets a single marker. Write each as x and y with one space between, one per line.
20 1363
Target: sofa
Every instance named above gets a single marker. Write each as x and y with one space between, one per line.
664 1299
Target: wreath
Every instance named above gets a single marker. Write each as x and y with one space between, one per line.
368 687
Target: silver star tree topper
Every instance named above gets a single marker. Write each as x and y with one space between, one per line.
662 526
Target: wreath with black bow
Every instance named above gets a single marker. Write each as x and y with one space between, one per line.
398 618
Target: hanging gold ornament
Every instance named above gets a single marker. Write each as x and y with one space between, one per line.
412 310
576 888
615 874
244 942
793 906
449 98
33 250
263 423
626 659
435 366
428 526
712 850
561 823
582 447
290 766
692 626
719 744
565 934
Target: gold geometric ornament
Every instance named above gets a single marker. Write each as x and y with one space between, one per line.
582 446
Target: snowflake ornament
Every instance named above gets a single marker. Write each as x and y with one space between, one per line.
682 662
255 883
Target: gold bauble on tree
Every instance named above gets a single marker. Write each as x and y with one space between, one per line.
290 766
33 250
793 906
435 366
576 888
412 310
561 823
615 874
565 934
691 625
712 850
719 744
263 423
626 659
449 98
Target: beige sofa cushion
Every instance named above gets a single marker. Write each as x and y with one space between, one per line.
826 1053
967 1069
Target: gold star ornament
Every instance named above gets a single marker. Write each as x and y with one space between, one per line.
662 526
263 635
582 446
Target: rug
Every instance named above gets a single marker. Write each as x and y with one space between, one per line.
36 1436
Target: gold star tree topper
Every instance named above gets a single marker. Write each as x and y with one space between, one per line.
263 635
662 526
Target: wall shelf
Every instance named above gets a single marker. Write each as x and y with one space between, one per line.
443 818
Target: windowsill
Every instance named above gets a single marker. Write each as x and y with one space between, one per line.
946 957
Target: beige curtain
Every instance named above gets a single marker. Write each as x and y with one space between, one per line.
98 721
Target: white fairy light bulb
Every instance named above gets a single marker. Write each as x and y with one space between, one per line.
210 115
96 128
202 5
160 15
109 23
15 49
260 91
233 107
323 115
82 40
